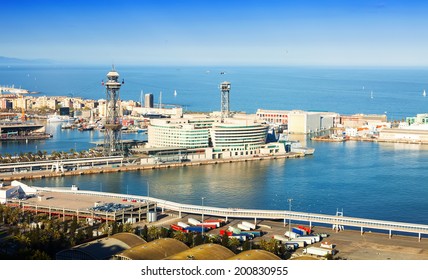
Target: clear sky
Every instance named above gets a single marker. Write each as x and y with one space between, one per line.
217 32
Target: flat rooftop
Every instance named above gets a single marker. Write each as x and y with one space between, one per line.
76 201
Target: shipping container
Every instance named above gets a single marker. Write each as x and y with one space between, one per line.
250 225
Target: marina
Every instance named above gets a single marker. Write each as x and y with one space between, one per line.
354 175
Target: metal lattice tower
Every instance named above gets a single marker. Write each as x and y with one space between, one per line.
113 126
225 92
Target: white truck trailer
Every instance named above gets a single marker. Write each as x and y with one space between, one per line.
317 251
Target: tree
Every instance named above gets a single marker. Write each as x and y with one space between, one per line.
73 226
225 240
153 233
198 240
180 236
233 244
144 232
270 246
246 245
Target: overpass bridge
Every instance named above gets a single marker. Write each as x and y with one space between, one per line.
310 218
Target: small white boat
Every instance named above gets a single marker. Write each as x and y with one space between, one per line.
424 94
66 126
58 118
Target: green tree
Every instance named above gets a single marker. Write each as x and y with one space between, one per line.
145 232
233 244
271 245
246 245
198 240
180 236
153 233
225 240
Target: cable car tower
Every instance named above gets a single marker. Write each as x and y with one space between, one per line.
113 126
225 92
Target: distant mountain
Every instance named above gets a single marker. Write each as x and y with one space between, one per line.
17 61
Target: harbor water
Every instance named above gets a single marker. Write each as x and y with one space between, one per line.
370 180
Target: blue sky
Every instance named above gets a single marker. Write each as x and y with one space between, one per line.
160 32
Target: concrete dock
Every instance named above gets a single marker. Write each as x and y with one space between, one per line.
134 167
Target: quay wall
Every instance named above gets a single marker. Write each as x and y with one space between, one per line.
137 167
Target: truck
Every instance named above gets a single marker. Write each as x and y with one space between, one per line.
240 237
243 227
208 226
280 238
195 229
234 230
211 224
317 251
223 232
256 233
220 221
298 231
177 228
292 245
307 229
291 234
327 245
183 225
302 243
306 239
250 225
316 237
193 222
248 235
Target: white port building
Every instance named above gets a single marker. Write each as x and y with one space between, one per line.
182 133
219 138
238 139
299 122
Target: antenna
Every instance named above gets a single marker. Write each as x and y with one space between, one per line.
160 100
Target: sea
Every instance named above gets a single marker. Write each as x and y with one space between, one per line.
386 181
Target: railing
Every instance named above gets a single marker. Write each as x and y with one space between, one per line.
265 214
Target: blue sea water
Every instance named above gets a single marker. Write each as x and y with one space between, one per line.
370 180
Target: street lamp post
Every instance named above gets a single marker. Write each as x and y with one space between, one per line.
202 221
289 218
